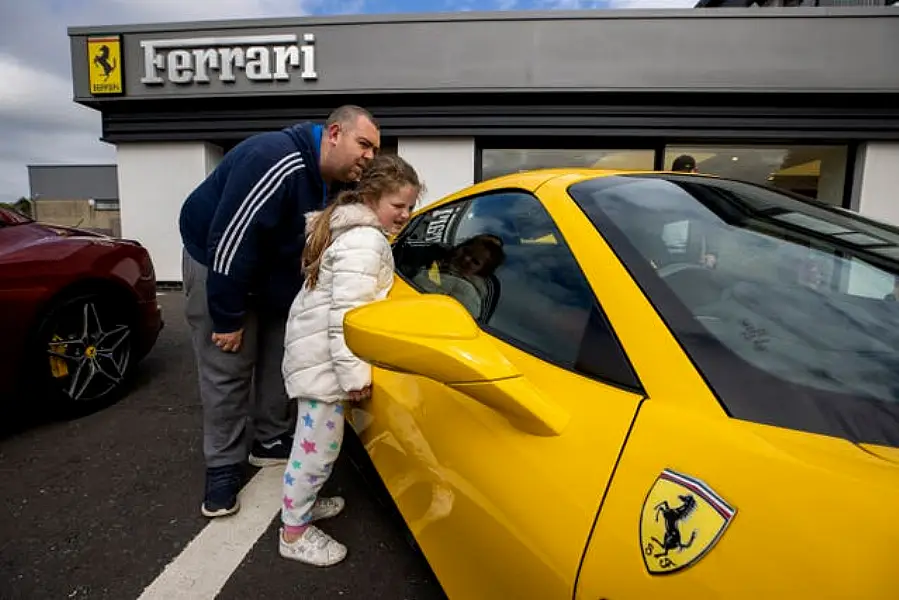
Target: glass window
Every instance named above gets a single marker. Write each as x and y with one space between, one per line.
503 258
817 172
496 162
788 307
389 145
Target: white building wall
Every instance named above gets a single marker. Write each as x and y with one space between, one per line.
875 194
876 186
445 165
154 180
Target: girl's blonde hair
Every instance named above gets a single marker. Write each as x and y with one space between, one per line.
385 174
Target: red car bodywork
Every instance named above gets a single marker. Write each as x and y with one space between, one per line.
39 263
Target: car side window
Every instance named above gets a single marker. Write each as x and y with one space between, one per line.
503 258
426 245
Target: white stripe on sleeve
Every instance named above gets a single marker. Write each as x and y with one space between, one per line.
286 171
231 233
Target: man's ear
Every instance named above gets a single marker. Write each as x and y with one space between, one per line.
333 132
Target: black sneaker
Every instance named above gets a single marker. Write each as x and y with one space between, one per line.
272 452
222 486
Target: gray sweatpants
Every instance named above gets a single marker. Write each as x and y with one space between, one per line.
242 390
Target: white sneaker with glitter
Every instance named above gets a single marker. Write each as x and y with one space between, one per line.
326 508
314 547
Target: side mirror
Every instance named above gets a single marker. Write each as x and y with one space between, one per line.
435 337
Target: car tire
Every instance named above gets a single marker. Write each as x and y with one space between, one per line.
81 357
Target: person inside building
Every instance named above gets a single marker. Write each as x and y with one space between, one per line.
684 164
243 231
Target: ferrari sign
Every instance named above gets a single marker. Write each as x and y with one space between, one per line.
104 56
259 58
682 520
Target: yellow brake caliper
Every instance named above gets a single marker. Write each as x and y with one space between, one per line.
58 366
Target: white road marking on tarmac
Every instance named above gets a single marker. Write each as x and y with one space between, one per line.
205 565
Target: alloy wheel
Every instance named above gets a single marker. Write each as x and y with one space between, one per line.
89 354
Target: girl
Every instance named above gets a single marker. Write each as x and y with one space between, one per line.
347 262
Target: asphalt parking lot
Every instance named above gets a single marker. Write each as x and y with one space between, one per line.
98 506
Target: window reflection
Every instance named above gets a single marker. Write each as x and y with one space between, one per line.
818 172
502 257
542 299
464 271
497 162
812 308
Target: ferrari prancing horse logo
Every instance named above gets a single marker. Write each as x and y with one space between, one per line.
682 519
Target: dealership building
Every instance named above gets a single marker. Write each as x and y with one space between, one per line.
806 99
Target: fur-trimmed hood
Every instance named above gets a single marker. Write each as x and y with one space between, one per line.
344 217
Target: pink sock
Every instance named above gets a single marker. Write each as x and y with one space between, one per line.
295 529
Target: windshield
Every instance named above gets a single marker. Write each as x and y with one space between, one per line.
787 307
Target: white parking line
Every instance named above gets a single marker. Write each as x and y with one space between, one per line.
204 566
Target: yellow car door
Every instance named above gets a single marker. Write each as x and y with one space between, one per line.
498 451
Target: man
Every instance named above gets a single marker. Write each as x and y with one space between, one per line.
243 230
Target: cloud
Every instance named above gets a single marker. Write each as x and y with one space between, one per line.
39 122
611 4
634 4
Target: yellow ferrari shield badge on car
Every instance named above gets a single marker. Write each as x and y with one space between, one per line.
682 519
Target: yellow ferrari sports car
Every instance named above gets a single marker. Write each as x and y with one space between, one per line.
604 385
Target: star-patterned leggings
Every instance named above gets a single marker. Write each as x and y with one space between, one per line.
316 445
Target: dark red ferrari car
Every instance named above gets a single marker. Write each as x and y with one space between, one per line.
78 311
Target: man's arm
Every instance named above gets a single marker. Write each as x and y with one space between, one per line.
251 203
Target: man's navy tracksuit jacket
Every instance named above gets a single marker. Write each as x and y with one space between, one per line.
246 222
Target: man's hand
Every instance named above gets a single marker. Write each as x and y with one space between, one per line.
359 395
228 342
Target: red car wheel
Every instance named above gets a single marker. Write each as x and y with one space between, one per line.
82 352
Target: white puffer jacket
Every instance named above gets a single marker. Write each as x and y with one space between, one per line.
357 268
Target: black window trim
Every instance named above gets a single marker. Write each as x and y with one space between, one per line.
637 388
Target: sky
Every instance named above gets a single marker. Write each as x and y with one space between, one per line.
39 122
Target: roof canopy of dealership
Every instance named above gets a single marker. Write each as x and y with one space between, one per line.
806 99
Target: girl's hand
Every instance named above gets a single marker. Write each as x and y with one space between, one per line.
359 395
